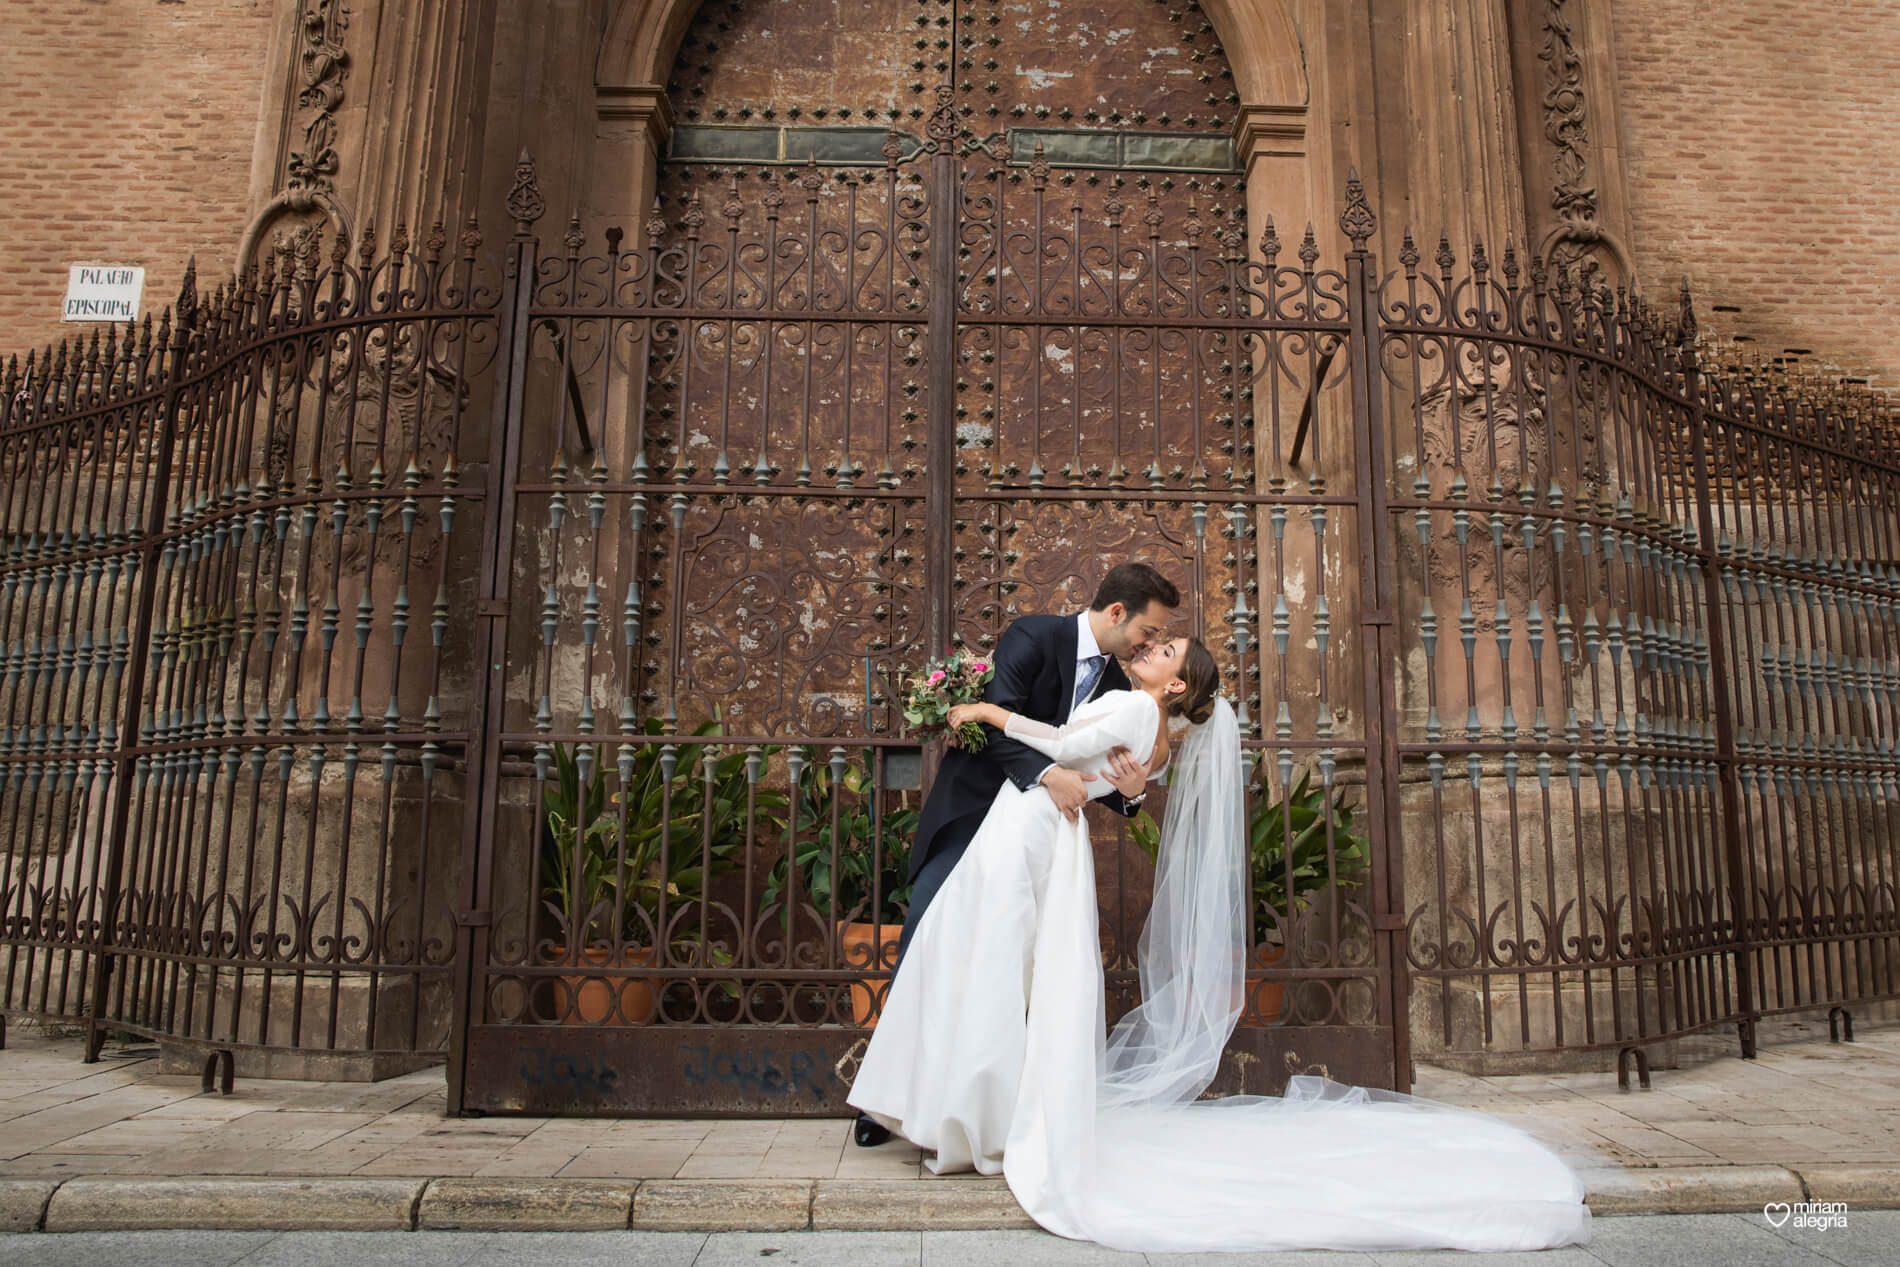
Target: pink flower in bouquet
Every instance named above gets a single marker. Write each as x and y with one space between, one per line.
958 678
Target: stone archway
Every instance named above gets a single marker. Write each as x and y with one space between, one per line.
642 39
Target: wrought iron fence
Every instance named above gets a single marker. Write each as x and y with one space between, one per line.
412 651
1646 672
237 700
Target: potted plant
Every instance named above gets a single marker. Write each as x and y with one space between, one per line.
1292 827
607 879
835 808
580 857
1287 842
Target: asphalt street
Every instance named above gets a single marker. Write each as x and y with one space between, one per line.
1869 1238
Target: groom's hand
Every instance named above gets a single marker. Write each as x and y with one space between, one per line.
1127 774
1067 788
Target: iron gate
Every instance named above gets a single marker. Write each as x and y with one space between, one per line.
748 472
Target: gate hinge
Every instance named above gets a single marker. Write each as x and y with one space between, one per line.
474 919
1388 922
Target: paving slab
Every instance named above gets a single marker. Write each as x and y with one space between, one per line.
132 1249
813 1249
1717 1134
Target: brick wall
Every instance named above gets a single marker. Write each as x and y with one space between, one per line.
1763 162
127 128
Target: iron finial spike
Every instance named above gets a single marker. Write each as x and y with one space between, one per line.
525 202
1686 314
188 287
1356 221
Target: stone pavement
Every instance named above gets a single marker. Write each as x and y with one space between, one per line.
1711 1240
119 1145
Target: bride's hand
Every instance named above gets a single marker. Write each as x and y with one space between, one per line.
1127 774
963 714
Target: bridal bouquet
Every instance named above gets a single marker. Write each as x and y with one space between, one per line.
957 678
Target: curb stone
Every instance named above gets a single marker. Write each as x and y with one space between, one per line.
713 1205
1862 1187
1690 1189
526 1205
235 1204
864 1205
104 1204
23 1203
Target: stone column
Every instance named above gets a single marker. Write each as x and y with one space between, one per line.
421 91
375 115
1465 174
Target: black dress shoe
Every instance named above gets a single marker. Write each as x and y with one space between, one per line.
868 1133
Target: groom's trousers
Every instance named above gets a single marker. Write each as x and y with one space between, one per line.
950 844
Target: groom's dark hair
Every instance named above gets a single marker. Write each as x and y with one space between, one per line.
1134 586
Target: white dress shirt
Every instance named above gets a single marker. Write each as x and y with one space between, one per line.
1086 649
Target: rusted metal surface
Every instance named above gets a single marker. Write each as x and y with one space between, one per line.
663 1070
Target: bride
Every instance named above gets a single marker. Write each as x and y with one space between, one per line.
990 1051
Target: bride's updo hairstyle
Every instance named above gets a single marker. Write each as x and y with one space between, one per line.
1202 677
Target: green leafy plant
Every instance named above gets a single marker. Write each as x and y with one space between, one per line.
847 787
593 871
1295 826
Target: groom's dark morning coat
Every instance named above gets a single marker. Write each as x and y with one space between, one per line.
1035 676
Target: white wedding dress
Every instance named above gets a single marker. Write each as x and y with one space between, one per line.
990 1051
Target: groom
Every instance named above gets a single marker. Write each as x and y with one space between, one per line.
1046 667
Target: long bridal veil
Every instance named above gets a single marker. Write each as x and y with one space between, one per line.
1192 951
1326 1165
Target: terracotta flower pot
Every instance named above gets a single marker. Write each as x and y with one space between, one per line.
1264 998
591 1000
857 943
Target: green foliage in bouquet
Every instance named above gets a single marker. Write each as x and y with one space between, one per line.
958 678
846 784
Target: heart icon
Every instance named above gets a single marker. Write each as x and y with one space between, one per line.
1776 1212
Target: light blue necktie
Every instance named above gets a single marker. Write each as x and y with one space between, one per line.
1085 680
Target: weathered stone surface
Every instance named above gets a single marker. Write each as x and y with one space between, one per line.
22 1202
1862 1187
1689 1189
109 1205
710 1205
526 1205
869 1205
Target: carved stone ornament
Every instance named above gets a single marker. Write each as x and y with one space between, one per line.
1572 196
323 66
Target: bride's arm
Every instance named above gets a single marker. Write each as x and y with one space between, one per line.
1108 728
